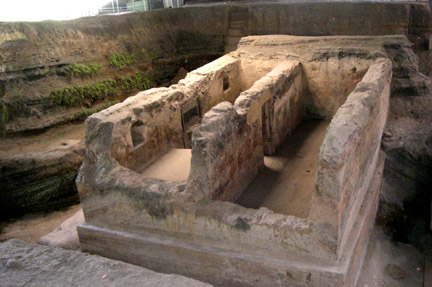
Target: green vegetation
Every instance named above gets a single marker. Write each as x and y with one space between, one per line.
138 82
83 114
92 93
120 61
89 94
75 96
81 70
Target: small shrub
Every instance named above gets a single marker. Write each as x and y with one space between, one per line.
120 61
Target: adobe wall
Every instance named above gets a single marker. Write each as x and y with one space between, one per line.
227 151
208 82
349 153
226 146
157 113
111 127
171 224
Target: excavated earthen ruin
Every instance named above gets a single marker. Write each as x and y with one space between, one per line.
218 177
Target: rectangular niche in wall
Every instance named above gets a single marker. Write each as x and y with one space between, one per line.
191 118
225 83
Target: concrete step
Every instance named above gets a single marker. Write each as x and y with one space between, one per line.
235 32
238 24
232 41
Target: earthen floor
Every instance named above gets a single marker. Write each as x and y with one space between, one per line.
174 166
33 226
286 184
54 138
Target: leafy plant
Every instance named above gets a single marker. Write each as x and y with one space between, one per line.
138 82
92 93
81 70
120 61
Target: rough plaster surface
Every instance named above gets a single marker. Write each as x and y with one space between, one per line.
23 264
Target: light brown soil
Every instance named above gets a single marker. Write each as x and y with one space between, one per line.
33 226
174 166
286 184
382 254
57 137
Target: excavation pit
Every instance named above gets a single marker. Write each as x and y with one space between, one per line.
247 211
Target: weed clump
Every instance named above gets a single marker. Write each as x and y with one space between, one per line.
92 93
82 71
139 82
120 61
88 94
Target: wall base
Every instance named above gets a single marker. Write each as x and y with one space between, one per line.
232 268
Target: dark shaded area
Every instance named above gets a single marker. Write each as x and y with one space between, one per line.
37 184
409 179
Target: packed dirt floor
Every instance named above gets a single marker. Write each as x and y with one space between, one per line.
33 226
173 166
286 183
58 137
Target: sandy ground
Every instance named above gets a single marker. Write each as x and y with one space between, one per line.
393 264
286 184
174 166
33 226
61 136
